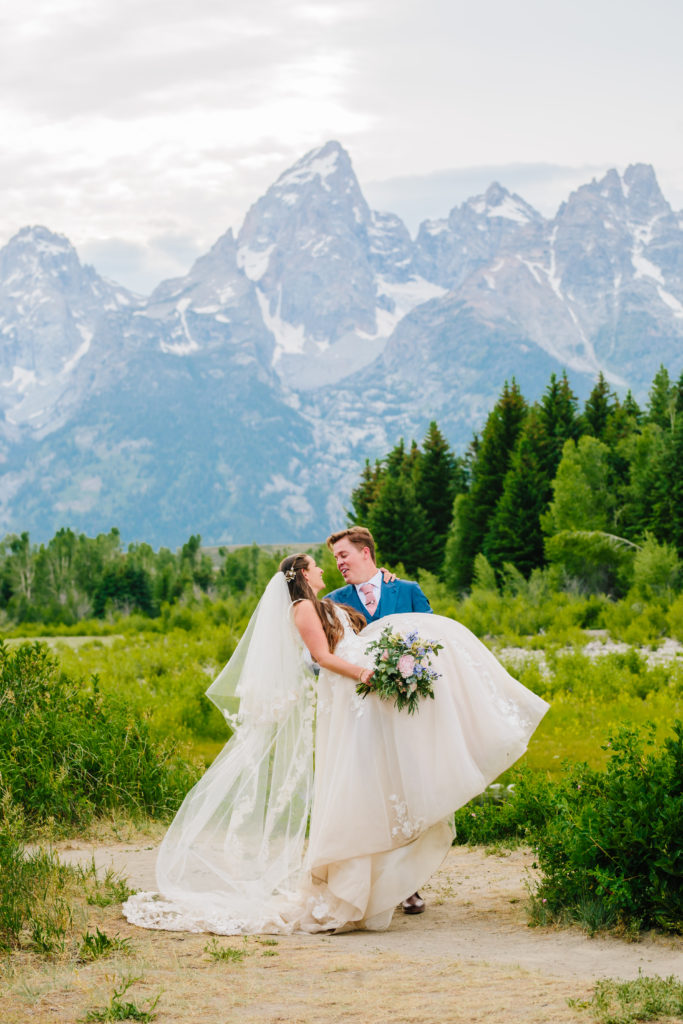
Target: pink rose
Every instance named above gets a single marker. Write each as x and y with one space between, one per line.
406 664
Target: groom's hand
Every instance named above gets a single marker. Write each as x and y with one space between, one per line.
387 576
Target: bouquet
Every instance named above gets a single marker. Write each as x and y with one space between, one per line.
403 669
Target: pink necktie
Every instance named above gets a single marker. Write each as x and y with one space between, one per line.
370 599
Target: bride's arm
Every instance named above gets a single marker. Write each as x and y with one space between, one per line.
313 635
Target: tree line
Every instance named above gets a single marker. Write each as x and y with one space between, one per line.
590 493
75 577
591 496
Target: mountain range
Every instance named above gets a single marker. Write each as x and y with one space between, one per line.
240 401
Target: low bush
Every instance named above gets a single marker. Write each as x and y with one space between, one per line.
612 850
68 754
518 812
609 843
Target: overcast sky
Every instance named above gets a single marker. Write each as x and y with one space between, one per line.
143 129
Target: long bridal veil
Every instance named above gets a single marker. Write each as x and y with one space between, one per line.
232 859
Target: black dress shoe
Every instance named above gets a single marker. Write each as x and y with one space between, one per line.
414 904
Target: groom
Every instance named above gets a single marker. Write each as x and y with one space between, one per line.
369 592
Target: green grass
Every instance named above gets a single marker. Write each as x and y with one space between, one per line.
163 668
229 954
628 1002
118 1009
97 944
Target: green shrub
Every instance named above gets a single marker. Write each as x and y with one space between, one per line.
34 909
507 814
612 850
674 618
636 621
68 754
656 568
518 812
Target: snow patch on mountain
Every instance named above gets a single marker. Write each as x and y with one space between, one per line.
22 379
308 168
80 351
399 299
289 338
254 262
672 302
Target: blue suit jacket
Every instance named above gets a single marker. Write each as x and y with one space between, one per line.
399 596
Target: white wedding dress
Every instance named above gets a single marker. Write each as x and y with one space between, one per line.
381 803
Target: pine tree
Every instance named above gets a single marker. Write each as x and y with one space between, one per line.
438 479
365 493
662 400
398 523
676 471
632 409
667 487
559 418
395 462
597 408
492 462
514 533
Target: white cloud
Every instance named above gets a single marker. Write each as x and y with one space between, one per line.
140 119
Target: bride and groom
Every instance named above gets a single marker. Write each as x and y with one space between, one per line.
379 806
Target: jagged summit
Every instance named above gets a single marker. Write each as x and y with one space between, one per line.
327 166
36 250
498 202
240 399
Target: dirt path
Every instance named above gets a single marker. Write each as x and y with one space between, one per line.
470 958
476 912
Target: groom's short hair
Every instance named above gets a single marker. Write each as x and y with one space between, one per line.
359 536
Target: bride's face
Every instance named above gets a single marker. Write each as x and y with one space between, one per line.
313 575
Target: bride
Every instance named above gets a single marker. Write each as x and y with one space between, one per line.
386 784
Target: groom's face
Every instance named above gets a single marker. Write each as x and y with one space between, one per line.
354 563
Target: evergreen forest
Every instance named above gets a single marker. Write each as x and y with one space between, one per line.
591 496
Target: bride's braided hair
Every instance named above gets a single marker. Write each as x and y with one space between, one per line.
300 590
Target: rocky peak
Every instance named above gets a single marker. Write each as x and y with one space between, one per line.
643 195
498 203
35 253
478 231
305 243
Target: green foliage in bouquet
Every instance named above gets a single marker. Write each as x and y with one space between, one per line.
402 671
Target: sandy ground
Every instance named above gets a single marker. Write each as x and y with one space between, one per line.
470 958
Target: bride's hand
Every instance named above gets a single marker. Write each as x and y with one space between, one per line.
365 676
387 576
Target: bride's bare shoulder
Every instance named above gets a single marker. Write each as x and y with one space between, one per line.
303 607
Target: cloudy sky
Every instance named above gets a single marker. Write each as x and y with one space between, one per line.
143 129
